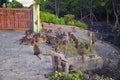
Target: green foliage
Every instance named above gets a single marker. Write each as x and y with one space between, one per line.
79 8
106 78
14 4
68 17
45 6
2 1
62 76
51 18
103 3
70 50
9 5
37 1
86 44
72 76
78 24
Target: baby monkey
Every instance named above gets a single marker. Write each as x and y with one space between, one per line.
37 51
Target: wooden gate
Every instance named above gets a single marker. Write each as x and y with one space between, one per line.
15 19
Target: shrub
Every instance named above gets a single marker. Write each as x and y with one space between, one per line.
68 17
106 78
51 18
78 24
71 76
71 22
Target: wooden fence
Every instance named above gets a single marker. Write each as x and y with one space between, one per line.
15 19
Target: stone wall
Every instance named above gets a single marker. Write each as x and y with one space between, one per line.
89 62
86 62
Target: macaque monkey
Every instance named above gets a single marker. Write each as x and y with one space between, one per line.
25 40
86 46
48 38
28 32
72 36
65 38
81 51
73 29
33 42
37 51
76 43
72 69
57 48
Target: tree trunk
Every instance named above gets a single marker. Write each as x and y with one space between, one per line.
57 7
107 19
81 14
116 16
91 17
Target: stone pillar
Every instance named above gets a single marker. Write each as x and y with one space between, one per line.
36 18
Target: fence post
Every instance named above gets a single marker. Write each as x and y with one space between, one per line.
36 18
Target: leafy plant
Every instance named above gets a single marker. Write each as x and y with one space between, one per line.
78 24
51 18
15 4
106 78
72 76
68 17
62 76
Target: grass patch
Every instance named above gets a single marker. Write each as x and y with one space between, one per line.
49 54
71 51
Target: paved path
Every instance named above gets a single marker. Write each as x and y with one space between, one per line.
17 62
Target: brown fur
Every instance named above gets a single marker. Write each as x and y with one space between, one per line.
76 43
48 38
57 48
72 36
36 50
73 29
28 32
25 40
33 42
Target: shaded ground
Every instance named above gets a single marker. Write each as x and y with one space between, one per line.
17 62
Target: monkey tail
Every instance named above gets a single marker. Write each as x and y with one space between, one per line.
38 57
17 41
